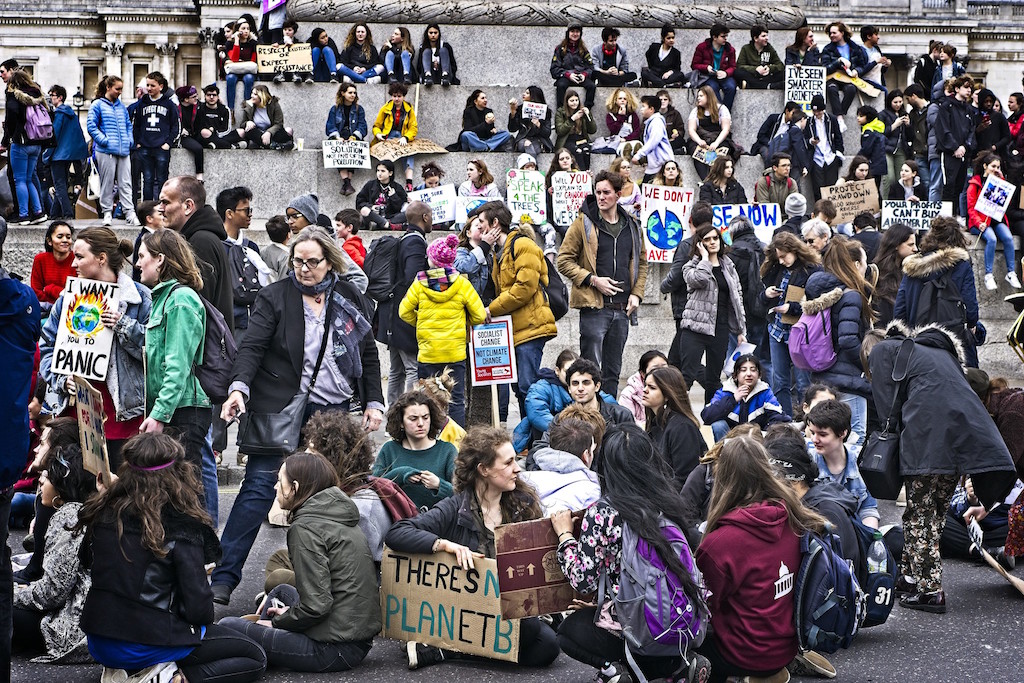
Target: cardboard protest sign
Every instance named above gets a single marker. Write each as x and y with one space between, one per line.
860 83
851 198
431 599
708 156
466 205
524 195
83 342
492 357
917 215
346 153
569 191
766 218
994 198
531 580
664 215
392 149
534 110
803 83
89 411
440 199
294 58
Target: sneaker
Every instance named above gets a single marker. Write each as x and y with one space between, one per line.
309 78
346 79
428 82
158 673
42 218
113 675
108 218
446 80
221 593
617 672
132 219
279 78
934 602
699 670
27 221
210 145
1007 562
334 78
286 146
373 80
1011 278
842 123
296 78
811 663
241 145
635 83
392 78
407 79
422 655
990 282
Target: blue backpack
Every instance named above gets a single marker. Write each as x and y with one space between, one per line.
829 601
879 587
658 618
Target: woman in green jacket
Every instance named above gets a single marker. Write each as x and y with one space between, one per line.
174 342
573 127
327 621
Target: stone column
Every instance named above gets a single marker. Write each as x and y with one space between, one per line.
209 54
113 63
166 67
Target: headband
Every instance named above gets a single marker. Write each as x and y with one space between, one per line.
151 469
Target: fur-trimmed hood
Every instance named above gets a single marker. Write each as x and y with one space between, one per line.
926 264
932 334
29 98
823 291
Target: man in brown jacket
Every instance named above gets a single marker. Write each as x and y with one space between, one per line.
603 256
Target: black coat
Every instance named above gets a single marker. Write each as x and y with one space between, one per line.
824 291
839 507
205 234
733 194
945 428
269 360
141 598
680 443
746 247
371 190
390 329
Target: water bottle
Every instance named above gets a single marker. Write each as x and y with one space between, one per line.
877 556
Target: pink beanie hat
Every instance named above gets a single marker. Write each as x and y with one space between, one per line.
442 252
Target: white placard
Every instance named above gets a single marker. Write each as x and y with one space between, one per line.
83 342
766 218
346 153
917 215
569 191
534 110
994 198
524 195
664 218
440 199
803 83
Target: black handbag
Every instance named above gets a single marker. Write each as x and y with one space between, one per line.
880 458
279 434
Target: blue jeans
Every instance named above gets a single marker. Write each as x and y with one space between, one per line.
782 366
859 423
924 174
457 406
719 428
725 90
353 76
155 163
935 180
471 142
528 360
1002 233
232 82
325 63
210 482
389 62
62 207
603 335
24 159
427 70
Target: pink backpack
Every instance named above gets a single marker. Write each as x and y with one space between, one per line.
810 342
38 124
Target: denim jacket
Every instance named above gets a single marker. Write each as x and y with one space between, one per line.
126 378
850 480
356 123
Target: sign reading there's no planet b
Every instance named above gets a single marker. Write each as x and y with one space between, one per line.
83 342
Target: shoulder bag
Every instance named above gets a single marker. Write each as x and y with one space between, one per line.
880 458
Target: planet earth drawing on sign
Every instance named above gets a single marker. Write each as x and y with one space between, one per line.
84 319
667 233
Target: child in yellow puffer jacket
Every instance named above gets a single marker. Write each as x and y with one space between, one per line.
439 304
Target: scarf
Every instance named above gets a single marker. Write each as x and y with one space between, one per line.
348 326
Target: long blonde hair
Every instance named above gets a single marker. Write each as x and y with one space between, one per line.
712 104
262 93
613 106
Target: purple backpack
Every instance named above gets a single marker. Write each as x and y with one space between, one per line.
38 124
658 618
810 342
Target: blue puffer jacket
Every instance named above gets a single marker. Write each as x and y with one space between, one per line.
67 131
545 399
356 123
475 264
824 291
109 127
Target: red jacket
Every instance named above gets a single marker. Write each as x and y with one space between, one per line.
703 57
353 246
974 218
750 563
50 275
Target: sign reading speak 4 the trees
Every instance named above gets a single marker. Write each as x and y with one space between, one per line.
525 195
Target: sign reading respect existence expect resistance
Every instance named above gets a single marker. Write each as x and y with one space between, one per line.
83 342
431 599
294 58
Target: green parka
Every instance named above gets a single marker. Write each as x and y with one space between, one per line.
174 341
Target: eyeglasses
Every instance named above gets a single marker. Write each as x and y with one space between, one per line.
247 211
311 263
291 216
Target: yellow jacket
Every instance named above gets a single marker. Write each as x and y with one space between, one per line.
438 304
520 274
386 118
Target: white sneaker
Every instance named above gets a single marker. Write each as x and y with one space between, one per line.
1011 278
990 281
132 219
108 218
842 124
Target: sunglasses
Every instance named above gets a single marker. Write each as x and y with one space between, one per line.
247 211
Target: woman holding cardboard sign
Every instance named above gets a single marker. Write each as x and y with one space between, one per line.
487 493
986 164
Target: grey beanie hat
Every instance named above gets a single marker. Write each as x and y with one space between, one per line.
796 205
308 205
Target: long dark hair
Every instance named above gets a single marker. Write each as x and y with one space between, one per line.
673 387
788 243
700 233
637 482
890 265
839 260
311 473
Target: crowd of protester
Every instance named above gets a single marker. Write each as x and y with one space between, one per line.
118 567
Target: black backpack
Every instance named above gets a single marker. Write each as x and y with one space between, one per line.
381 265
752 285
940 303
219 348
245 277
556 292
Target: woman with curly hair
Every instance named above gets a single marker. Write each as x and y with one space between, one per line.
441 388
414 458
487 493
149 612
360 61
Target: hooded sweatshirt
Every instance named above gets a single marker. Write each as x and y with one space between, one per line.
749 562
562 480
334 572
438 305
156 122
205 234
